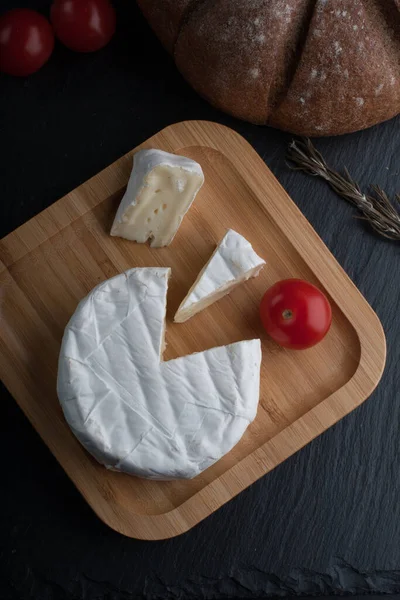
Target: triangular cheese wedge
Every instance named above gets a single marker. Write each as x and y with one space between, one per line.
232 262
161 189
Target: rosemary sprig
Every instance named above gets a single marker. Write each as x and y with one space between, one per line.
374 207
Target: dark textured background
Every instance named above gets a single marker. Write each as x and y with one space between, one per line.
325 522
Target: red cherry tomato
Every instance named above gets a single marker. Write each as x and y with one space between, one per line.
83 25
295 313
26 41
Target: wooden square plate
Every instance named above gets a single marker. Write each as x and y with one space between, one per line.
51 262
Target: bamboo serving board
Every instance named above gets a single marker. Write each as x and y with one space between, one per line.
54 260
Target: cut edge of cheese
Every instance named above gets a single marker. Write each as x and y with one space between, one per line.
160 191
232 262
163 340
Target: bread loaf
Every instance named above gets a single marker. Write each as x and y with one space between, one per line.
312 67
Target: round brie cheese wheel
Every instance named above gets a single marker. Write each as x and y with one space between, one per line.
136 413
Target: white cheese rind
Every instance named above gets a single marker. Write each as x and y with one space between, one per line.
233 262
160 191
135 413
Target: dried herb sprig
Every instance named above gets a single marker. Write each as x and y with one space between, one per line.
375 208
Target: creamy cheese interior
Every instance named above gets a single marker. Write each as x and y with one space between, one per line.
160 206
186 313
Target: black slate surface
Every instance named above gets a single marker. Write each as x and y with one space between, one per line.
325 522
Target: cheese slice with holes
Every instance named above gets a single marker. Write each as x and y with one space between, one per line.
136 413
160 191
232 262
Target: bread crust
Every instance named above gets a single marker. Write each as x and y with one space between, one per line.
311 67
